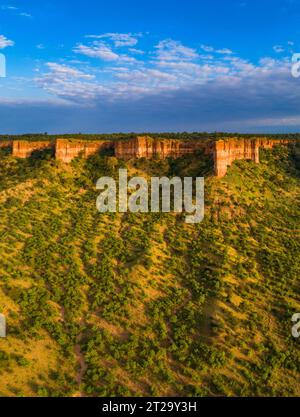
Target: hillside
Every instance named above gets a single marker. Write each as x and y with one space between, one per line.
144 304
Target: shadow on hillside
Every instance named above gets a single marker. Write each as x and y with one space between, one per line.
195 165
295 158
44 154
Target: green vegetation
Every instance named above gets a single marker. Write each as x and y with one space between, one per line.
123 136
144 304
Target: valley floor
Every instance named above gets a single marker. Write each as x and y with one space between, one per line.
144 304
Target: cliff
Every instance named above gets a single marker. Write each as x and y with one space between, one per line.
68 149
23 149
270 143
5 143
147 147
225 152
229 150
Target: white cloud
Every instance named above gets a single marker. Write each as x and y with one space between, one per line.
102 51
267 62
65 71
9 8
119 39
15 9
218 105
67 82
183 87
4 42
188 73
207 48
147 77
225 51
278 48
170 50
171 67
25 14
136 51
239 65
97 50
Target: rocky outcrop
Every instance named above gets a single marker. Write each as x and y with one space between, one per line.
24 149
5 143
225 152
68 149
266 143
147 147
232 149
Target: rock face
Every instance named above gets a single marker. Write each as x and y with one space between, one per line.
270 143
5 143
232 149
224 151
68 149
227 151
147 147
24 149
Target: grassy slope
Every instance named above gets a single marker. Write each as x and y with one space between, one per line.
145 304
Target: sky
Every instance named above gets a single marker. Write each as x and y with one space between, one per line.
95 66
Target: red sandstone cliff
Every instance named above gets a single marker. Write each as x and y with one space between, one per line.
224 151
23 149
68 149
5 143
228 150
266 143
147 147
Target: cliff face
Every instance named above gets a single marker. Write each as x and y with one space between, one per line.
67 150
147 147
23 149
5 143
227 151
270 143
223 151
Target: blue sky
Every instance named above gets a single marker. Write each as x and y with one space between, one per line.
98 66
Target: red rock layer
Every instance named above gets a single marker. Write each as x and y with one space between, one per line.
5 143
224 151
23 149
270 143
68 149
229 150
147 147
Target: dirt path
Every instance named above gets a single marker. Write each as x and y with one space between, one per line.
79 359
82 365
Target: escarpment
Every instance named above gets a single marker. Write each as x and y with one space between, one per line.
224 151
227 151
147 147
68 149
5 144
24 149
